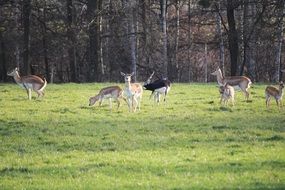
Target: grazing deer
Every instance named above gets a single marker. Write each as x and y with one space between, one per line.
277 93
227 93
160 86
132 92
240 81
111 92
29 82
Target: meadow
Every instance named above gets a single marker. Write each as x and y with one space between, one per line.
189 142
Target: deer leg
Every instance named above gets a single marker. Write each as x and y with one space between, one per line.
246 94
100 102
129 103
277 102
165 93
158 97
233 101
110 103
152 94
118 102
39 93
29 91
267 101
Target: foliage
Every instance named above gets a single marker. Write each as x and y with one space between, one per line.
92 40
189 142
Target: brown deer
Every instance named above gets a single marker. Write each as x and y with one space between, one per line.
132 92
29 82
277 93
111 93
240 81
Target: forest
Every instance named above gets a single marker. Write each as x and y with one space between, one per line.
184 40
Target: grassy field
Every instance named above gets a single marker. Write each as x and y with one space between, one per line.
191 142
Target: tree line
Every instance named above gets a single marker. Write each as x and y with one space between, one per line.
184 40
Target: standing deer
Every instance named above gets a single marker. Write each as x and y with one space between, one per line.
227 93
160 86
240 81
132 92
29 82
277 93
111 92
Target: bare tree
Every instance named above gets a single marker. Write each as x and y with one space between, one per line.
92 48
26 36
233 35
71 40
280 36
163 9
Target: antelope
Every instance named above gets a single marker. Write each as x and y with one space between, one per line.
160 86
111 92
277 93
237 81
227 93
29 83
132 92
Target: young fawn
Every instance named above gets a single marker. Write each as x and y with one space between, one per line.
111 93
227 93
29 82
277 93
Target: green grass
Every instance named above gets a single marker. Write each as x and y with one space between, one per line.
191 142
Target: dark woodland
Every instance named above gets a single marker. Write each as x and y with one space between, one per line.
184 40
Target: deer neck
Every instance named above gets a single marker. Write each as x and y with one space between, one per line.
281 91
220 79
17 78
128 84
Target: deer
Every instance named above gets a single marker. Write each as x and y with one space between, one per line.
29 83
132 92
277 93
111 93
227 93
236 81
160 86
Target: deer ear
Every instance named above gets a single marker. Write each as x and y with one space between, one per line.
123 74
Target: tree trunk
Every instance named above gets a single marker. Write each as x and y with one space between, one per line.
71 40
177 36
189 40
221 41
250 44
26 37
92 50
132 39
44 41
206 61
3 70
232 38
279 42
163 7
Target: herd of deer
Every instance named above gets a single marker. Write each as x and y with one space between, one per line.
132 92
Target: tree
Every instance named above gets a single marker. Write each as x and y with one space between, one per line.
26 36
280 36
163 9
233 36
71 40
92 48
